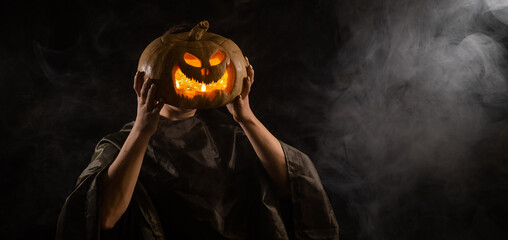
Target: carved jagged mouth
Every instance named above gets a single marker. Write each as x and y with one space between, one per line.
189 87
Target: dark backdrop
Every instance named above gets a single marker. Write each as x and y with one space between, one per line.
402 105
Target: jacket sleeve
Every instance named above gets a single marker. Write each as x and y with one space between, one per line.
79 216
311 211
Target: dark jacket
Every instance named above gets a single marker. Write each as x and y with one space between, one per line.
201 179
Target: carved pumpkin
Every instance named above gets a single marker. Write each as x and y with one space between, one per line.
195 69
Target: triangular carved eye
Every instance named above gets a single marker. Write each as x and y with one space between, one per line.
191 60
217 58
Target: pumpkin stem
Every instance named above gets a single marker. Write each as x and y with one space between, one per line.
197 31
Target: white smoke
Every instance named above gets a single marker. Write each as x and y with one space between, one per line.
420 76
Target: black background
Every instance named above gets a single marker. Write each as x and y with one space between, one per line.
398 158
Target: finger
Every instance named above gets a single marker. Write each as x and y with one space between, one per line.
159 106
250 69
250 72
247 83
145 88
236 101
138 82
150 101
239 100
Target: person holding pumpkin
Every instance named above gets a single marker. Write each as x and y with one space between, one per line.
176 172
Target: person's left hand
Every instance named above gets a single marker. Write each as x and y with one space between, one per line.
240 108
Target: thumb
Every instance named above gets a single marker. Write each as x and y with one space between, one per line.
239 100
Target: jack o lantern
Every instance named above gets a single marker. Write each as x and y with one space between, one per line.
195 69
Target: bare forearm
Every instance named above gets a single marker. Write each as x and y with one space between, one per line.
269 151
119 180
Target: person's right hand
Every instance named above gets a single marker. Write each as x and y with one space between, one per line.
149 106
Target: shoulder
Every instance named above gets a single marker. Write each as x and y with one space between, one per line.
105 151
226 131
117 139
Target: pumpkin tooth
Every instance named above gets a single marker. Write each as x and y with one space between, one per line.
189 86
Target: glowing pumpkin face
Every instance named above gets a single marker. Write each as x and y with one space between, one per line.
196 69
206 78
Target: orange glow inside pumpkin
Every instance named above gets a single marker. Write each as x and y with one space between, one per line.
191 60
217 58
189 87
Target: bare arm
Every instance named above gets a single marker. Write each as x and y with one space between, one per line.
267 147
269 152
119 180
